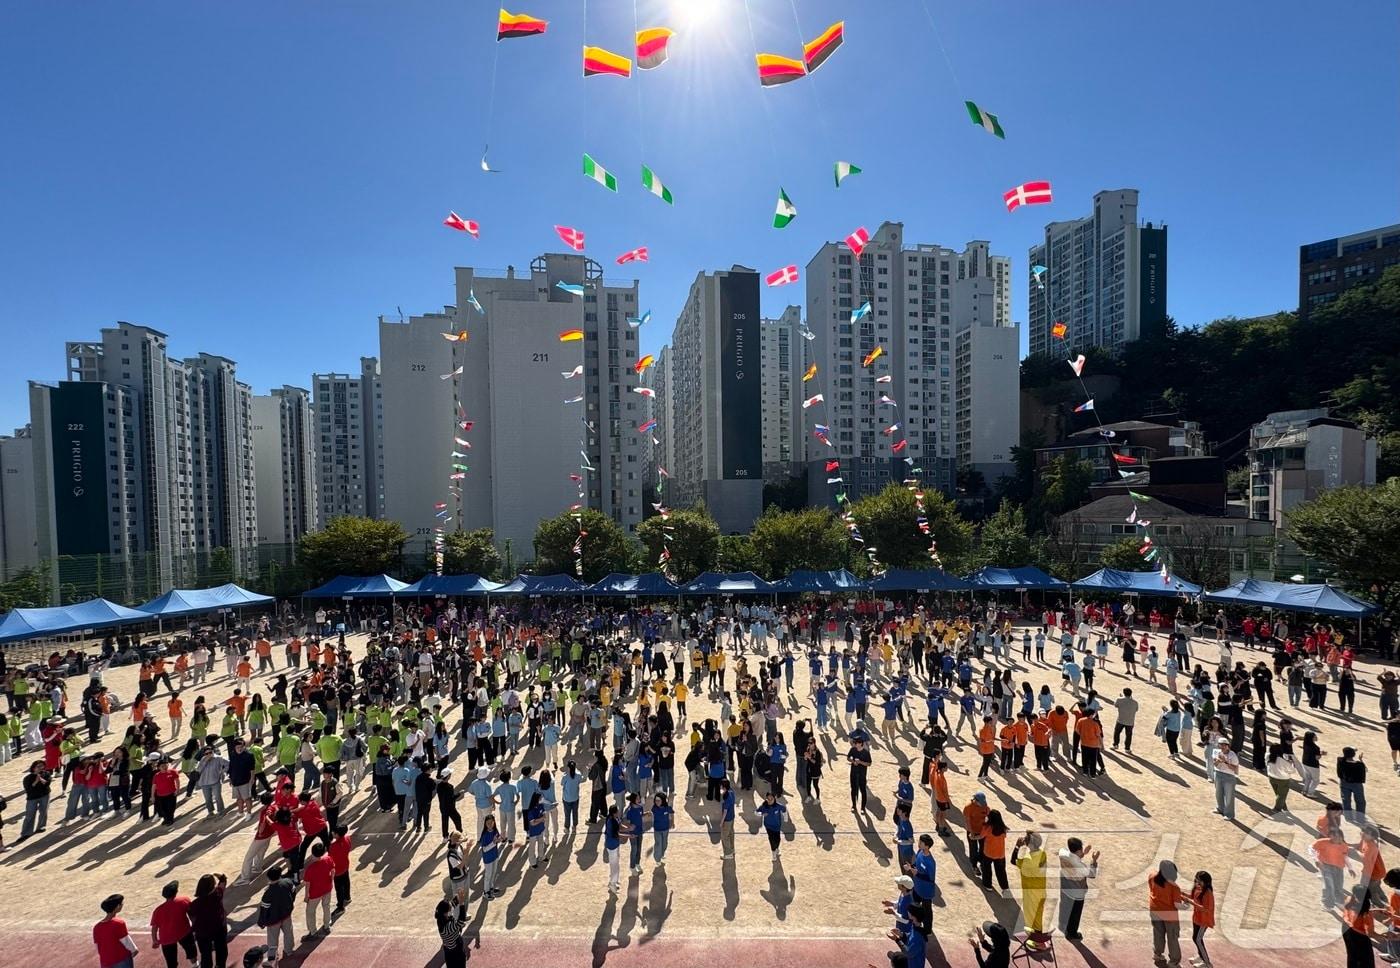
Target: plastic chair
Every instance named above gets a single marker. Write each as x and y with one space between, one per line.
1033 948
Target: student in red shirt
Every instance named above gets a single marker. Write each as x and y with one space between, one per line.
313 824
1202 900
340 864
284 825
320 873
165 785
115 949
170 926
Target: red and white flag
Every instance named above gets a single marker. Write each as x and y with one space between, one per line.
573 238
858 240
455 221
782 277
636 255
1031 193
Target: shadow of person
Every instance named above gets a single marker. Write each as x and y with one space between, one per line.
603 933
819 825
781 889
658 906
730 878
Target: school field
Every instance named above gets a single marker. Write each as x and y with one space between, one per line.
820 907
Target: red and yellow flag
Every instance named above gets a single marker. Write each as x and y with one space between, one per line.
571 335
596 60
773 69
816 53
651 47
518 25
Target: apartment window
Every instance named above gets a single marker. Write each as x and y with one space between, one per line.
1362 245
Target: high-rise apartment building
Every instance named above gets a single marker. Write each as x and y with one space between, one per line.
715 390
782 366
662 454
19 539
529 431
349 436
941 320
1329 268
285 455
140 454
1105 277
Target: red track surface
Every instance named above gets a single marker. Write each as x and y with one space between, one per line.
31 949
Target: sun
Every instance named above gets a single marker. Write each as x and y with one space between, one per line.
695 13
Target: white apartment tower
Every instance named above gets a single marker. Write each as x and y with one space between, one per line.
285 455
926 302
19 539
782 382
140 454
659 407
1105 278
526 438
715 390
349 436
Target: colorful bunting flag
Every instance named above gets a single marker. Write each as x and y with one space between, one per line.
872 356
892 428
810 373
598 173
1085 406
806 333
1125 458
653 184
573 238
596 60
647 426
887 401
512 25
455 221
785 212
1031 193
887 378
572 288
639 254
832 465
858 240
647 392
448 376
651 47
844 170
1077 365
815 53
472 301
571 336
774 69
897 448
812 401
861 313
576 371
984 119
1058 330
643 363
458 337
782 277
635 321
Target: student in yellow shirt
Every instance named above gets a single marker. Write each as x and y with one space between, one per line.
682 692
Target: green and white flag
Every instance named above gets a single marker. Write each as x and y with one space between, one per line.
843 170
653 184
598 173
786 211
984 119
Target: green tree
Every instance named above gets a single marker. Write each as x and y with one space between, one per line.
352 546
29 588
888 522
471 553
735 552
1004 541
785 541
1065 484
1356 531
606 547
1122 555
1237 481
694 542
789 495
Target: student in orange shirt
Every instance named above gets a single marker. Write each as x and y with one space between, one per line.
986 745
138 710
182 669
1164 899
175 708
1331 852
994 851
1008 745
1023 732
975 820
1040 737
244 672
313 654
294 653
239 703
1058 721
942 803
264 649
1090 733
1202 915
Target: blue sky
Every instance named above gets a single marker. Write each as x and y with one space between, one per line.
262 180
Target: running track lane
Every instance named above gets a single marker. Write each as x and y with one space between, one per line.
25 949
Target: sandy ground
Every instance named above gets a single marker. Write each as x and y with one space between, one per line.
820 904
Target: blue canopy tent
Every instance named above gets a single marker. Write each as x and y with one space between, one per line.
352 586
717 583
917 580
34 623
542 585
1137 583
1028 578
191 601
820 581
1318 599
450 586
651 584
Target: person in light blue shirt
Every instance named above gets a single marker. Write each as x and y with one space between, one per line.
824 689
924 870
490 844
507 795
513 723
617 782
484 742
551 744
528 786
662 815
570 784
403 777
534 830
903 836
904 789
483 794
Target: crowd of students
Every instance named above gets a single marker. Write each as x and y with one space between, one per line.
553 699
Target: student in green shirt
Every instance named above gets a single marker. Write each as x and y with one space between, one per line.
328 748
287 747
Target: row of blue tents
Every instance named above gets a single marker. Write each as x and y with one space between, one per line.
29 623
1319 599
33 623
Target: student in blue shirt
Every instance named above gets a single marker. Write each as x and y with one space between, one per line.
570 782
903 836
662 814
824 689
612 848
924 870
617 782
890 705
635 815
645 772
483 794
527 785
490 845
403 776
534 830
789 664
726 819
773 813
507 795
777 764
904 790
